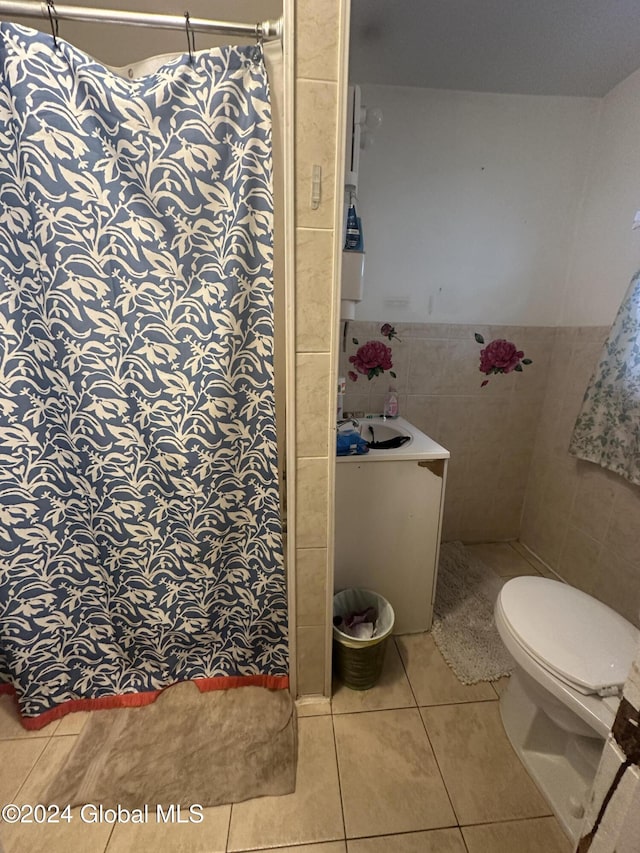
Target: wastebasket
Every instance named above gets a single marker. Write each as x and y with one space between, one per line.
358 663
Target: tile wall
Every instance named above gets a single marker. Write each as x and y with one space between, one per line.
489 431
510 474
582 520
320 33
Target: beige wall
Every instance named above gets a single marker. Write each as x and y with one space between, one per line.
582 520
320 32
489 431
468 203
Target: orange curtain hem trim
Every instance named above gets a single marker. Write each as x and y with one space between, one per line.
137 700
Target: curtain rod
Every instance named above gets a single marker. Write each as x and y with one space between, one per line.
33 9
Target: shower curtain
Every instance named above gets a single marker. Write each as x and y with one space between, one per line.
140 533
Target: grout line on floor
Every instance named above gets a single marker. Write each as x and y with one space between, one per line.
373 710
285 847
106 846
411 707
406 674
26 778
432 705
404 832
509 820
23 739
424 726
467 702
226 843
335 750
464 840
435 758
438 704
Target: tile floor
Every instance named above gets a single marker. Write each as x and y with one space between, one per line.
418 764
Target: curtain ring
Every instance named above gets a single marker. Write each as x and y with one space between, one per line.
53 20
191 38
257 51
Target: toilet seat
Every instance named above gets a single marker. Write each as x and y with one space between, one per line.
597 712
569 649
576 638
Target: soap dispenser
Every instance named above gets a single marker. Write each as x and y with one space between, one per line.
353 236
391 403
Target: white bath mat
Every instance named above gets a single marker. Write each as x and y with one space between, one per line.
463 625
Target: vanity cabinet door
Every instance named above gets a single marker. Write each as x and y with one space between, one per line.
387 534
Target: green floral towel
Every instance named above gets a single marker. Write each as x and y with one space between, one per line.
607 430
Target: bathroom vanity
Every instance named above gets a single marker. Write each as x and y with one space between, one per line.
389 507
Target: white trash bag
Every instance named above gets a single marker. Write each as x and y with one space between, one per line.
350 601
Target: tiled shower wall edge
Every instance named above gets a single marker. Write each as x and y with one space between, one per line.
289 259
320 74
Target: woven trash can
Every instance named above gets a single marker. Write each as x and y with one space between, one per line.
358 663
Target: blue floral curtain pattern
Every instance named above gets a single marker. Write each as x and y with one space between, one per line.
607 430
140 533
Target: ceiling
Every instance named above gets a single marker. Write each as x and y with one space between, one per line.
538 47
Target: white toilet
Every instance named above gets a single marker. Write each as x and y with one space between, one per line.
573 654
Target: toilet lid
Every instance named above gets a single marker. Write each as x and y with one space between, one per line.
569 632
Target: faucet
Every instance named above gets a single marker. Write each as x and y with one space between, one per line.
351 421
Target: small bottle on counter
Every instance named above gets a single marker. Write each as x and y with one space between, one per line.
391 403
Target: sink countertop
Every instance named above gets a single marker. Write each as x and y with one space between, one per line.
421 446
